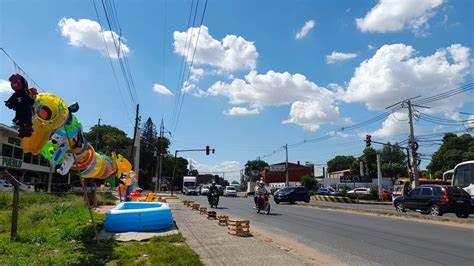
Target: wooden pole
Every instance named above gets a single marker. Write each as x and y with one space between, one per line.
16 201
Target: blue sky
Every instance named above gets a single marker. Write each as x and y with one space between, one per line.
255 85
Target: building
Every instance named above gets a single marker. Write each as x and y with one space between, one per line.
25 167
339 174
275 175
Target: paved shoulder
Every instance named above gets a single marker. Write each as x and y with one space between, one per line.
216 247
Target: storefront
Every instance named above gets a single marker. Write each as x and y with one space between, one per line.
25 167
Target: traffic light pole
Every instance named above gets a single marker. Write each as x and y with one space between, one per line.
207 150
287 181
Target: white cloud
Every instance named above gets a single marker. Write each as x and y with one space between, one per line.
308 26
311 105
88 33
230 54
394 73
335 57
232 169
196 74
161 89
5 86
396 15
370 47
241 111
395 124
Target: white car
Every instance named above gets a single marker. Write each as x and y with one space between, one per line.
359 191
5 185
204 190
230 191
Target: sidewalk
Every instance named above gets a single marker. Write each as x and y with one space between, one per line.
216 247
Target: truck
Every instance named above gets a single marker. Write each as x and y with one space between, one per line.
189 185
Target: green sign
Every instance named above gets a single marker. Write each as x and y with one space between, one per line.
14 141
11 162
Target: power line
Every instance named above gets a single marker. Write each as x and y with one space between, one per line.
111 64
445 95
18 67
192 62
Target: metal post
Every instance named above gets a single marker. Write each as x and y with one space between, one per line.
379 176
50 178
174 171
287 183
361 170
16 201
415 182
159 174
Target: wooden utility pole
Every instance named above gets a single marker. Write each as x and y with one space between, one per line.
133 150
412 158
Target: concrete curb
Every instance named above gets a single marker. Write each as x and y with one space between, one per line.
333 199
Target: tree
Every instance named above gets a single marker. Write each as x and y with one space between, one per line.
251 167
340 162
369 158
110 139
393 162
181 169
454 150
309 182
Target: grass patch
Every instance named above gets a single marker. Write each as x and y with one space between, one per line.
56 230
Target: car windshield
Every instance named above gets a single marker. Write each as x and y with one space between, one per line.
287 189
331 189
231 188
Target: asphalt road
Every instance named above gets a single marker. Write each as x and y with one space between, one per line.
359 239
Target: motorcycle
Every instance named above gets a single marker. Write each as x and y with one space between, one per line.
263 204
213 199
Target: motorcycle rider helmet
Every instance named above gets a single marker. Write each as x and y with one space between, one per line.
213 182
261 183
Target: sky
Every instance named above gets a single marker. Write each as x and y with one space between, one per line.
255 75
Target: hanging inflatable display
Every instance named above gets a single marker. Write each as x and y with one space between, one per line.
48 127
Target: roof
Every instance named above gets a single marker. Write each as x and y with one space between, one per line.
7 128
342 171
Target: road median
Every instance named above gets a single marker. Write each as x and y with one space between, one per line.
426 218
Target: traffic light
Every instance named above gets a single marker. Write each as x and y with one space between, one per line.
207 150
368 140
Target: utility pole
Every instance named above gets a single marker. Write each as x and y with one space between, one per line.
361 165
412 158
379 175
50 177
133 150
287 182
97 135
159 163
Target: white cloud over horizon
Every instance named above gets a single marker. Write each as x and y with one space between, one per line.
5 86
241 111
88 33
335 57
397 15
232 169
160 89
394 73
232 53
307 27
311 105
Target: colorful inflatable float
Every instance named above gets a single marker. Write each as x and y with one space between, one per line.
49 127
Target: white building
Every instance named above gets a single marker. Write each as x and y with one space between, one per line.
25 167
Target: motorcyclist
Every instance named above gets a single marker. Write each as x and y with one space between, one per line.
213 191
260 190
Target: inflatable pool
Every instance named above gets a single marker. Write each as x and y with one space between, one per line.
139 217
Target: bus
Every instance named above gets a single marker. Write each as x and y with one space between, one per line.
464 177
403 185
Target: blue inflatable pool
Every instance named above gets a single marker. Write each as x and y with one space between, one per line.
138 217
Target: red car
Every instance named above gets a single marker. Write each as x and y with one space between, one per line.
386 195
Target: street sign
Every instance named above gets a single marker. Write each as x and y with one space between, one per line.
355 179
277 168
10 162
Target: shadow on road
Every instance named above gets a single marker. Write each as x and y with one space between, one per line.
221 208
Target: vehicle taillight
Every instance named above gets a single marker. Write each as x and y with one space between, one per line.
445 198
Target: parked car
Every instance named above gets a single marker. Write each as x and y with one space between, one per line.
359 191
386 195
435 200
329 191
291 194
204 190
5 185
190 191
230 191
